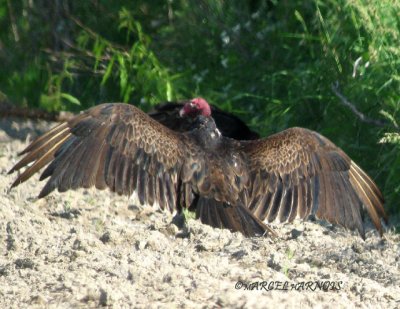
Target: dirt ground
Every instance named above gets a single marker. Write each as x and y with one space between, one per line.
87 248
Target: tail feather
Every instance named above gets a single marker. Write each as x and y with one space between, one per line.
236 218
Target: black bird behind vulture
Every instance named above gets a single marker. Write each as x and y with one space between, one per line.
228 124
239 185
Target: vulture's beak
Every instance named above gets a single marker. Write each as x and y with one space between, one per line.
188 109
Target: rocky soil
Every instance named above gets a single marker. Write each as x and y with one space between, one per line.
87 249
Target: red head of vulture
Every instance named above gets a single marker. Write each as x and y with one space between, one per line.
239 185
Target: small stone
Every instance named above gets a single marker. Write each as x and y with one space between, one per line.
24 263
10 237
103 299
4 271
167 278
38 300
296 233
239 254
106 237
357 248
200 248
273 264
77 245
140 245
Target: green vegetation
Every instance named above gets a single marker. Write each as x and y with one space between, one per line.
272 62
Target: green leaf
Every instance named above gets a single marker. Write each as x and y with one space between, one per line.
108 71
70 98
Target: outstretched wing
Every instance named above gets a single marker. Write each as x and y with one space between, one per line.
111 145
229 125
298 172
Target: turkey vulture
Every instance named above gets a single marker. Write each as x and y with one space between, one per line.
228 124
239 185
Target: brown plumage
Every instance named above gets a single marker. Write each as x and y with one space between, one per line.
239 185
299 172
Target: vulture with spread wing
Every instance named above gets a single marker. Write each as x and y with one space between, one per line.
239 185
